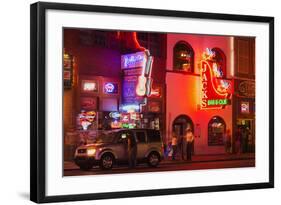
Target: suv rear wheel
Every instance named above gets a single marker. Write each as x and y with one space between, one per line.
106 161
153 159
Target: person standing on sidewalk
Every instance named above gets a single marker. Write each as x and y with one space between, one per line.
189 137
238 141
183 146
250 142
132 151
174 145
244 140
227 141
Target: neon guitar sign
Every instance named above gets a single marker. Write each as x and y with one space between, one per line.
143 87
137 81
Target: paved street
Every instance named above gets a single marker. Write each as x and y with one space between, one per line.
199 162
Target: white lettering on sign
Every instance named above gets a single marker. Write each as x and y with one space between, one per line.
133 60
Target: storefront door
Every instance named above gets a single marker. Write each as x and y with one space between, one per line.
249 126
178 129
181 123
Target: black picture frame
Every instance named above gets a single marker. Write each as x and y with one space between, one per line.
38 101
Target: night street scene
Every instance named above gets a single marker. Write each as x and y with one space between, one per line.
148 101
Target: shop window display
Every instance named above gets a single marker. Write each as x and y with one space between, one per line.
216 130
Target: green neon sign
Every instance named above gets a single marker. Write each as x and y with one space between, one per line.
217 102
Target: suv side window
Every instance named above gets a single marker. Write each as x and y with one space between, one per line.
122 136
153 136
140 136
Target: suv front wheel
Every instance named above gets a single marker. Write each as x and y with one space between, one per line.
106 161
153 159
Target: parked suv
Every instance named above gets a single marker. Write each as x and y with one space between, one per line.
109 149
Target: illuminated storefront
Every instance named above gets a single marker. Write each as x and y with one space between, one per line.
199 89
244 109
169 82
118 83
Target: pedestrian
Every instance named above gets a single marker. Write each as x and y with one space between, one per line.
189 138
250 142
182 146
174 145
132 150
238 141
227 141
165 150
244 140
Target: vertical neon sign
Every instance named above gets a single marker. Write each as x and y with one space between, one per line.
137 81
145 81
215 92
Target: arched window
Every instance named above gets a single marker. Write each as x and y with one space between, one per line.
183 57
220 60
216 130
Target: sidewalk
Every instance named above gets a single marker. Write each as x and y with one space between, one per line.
70 165
214 157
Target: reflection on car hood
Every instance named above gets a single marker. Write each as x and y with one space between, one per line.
103 144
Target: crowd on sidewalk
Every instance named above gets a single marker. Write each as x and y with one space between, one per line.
182 147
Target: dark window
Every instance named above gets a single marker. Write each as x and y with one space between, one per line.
100 38
152 41
140 137
183 57
153 136
216 130
245 57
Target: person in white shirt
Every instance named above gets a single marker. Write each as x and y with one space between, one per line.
174 145
189 137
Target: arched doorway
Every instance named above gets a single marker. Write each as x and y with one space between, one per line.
181 123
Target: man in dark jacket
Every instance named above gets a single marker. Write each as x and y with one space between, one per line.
132 151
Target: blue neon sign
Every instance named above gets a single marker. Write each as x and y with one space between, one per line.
111 88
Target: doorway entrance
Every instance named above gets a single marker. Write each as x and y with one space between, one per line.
248 126
180 124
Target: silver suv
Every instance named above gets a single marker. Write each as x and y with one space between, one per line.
109 149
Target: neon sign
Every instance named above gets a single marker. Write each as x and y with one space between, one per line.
137 80
133 60
89 86
131 107
144 81
156 91
215 92
245 107
115 115
68 70
111 88
86 118
116 124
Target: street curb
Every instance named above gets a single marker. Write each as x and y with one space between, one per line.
190 162
213 160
